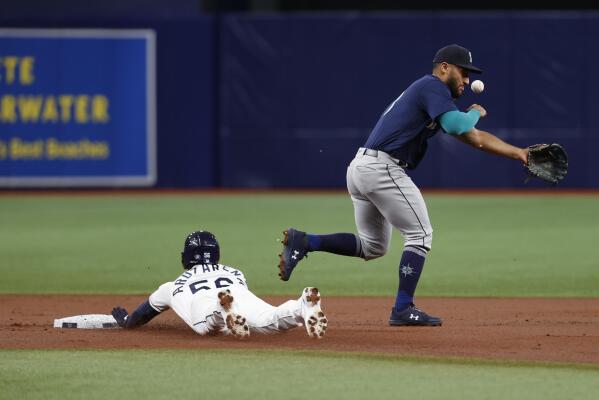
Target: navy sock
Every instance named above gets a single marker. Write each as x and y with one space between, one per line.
410 268
344 244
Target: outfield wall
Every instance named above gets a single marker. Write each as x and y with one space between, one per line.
284 100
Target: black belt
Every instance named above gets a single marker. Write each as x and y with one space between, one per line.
375 153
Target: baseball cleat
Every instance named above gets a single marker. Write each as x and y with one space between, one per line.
236 324
294 249
314 319
413 316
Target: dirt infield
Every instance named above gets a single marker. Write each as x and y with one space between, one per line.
555 330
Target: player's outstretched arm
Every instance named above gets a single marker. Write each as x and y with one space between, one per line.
142 315
490 143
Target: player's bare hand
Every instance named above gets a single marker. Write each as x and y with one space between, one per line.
120 315
523 156
481 110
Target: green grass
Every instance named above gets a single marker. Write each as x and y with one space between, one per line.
483 245
278 375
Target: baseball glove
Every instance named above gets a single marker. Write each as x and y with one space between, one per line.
548 162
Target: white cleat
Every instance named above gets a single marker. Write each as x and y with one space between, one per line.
314 319
236 324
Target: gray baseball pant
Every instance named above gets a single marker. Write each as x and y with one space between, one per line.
384 196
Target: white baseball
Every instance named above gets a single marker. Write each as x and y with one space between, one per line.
477 86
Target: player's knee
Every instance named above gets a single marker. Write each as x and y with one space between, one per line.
422 240
201 329
372 250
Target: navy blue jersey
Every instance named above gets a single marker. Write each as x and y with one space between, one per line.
406 125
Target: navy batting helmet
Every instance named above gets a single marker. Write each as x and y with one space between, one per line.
201 247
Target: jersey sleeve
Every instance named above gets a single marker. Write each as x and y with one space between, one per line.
457 123
160 300
436 100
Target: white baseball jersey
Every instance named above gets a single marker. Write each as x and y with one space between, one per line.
194 297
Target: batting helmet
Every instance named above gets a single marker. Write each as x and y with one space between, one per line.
201 247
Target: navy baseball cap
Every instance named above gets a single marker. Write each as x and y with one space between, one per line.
456 55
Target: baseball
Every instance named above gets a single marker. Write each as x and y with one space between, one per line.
477 86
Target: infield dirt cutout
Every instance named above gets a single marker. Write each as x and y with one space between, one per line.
552 330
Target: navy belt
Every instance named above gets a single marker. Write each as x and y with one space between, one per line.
375 153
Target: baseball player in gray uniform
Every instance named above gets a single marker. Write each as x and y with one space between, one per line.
383 194
212 297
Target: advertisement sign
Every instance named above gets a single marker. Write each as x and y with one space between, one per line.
77 107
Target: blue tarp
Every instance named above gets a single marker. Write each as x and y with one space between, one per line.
300 93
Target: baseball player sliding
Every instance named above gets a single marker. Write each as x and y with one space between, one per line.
212 297
383 194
